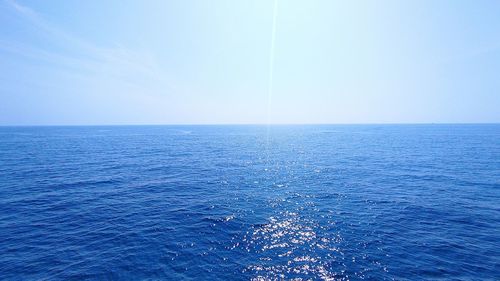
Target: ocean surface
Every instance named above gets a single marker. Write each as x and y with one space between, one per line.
332 202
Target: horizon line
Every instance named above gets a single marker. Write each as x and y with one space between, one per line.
249 124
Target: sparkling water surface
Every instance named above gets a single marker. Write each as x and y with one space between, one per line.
332 202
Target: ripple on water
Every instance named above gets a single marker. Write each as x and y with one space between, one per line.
227 203
293 247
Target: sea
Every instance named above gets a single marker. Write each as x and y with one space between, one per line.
250 202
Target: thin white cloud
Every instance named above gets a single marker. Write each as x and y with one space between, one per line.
84 58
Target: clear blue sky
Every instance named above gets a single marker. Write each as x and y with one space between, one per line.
176 62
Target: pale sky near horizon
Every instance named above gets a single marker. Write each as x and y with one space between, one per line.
66 62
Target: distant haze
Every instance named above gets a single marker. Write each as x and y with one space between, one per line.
218 62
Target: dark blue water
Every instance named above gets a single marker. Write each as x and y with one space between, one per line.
243 202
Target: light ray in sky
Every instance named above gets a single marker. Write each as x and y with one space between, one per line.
271 61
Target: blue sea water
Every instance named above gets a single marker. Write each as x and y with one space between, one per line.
332 202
